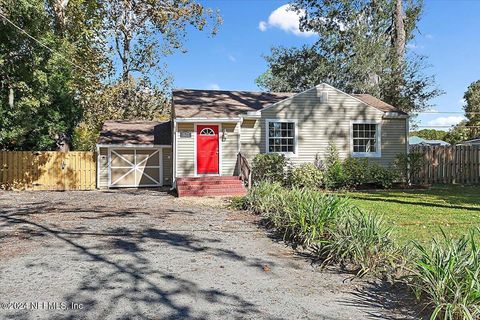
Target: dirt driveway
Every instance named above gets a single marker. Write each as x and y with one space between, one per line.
147 255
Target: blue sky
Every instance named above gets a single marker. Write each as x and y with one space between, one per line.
231 60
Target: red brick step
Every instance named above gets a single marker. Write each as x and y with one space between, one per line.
210 186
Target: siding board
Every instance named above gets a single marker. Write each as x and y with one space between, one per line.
319 123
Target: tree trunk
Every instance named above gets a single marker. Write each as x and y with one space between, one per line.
399 38
11 97
126 58
59 8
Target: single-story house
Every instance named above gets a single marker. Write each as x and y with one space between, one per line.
209 128
417 141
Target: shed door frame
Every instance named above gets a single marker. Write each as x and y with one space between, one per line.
160 167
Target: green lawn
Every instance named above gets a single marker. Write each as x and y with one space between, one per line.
419 214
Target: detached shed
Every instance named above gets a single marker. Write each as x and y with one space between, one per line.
134 154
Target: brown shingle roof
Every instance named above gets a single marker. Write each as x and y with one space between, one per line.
221 104
189 103
135 132
377 103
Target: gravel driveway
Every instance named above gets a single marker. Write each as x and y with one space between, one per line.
143 254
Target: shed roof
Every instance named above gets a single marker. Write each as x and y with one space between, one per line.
136 132
192 103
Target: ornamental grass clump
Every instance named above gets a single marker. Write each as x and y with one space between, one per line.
308 215
446 277
338 231
360 242
265 198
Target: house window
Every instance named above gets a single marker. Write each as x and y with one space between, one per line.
281 136
366 139
207 132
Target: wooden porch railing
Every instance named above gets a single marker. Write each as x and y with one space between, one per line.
244 170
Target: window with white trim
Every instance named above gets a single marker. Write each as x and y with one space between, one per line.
366 139
281 136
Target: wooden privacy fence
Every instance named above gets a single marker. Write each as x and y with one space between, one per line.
49 170
452 164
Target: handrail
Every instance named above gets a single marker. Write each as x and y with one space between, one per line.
245 172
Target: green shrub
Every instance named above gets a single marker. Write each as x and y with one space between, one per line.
409 165
356 171
270 167
307 175
353 172
334 173
84 138
382 177
447 277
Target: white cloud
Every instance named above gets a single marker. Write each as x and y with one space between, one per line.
214 86
446 121
232 58
429 36
285 19
262 26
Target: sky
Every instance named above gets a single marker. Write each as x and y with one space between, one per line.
448 34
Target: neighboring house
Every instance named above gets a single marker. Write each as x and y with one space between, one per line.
471 142
211 127
417 141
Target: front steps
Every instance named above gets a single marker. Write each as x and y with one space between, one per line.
210 186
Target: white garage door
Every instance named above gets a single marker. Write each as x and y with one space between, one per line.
135 167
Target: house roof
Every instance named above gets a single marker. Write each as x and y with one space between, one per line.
472 141
377 103
413 140
136 132
190 103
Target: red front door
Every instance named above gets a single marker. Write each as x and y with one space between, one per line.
207 149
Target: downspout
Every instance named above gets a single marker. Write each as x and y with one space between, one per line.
407 129
239 135
174 154
98 167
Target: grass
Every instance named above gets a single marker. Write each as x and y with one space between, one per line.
444 274
419 214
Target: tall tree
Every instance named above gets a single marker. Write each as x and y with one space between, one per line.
429 134
94 59
40 84
142 33
400 32
360 49
472 109
458 133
